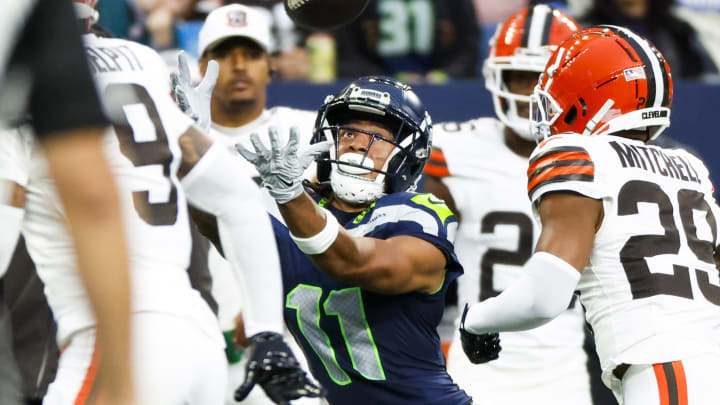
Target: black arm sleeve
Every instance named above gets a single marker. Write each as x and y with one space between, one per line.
62 93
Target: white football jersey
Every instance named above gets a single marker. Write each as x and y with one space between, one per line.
496 236
651 288
143 153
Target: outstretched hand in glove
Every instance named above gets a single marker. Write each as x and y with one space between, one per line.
282 168
479 348
194 101
272 365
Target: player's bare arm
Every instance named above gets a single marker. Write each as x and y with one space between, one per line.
393 266
193 145
569 222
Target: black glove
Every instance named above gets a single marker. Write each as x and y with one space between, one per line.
272 365
479 348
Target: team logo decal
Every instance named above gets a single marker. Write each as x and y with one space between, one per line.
237 18
634 73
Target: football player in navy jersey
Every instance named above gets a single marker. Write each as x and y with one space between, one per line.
366 261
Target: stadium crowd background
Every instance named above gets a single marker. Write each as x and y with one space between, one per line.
311 64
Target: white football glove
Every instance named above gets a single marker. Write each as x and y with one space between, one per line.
281 169
194 101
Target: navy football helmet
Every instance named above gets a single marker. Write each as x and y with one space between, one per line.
391 104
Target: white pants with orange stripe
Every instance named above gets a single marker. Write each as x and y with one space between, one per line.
692 381
174 363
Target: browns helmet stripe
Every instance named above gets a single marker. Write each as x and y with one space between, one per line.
537 26
657 78
666 85
526 27
547 29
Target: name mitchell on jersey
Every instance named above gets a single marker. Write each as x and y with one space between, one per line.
672 166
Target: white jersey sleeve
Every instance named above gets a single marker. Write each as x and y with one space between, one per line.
14 169
564 163
15 149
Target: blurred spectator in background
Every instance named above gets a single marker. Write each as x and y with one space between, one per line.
657 21
172 25
414 40
160 19
288 51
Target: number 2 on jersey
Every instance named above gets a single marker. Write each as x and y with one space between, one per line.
495 256
347 306
139 119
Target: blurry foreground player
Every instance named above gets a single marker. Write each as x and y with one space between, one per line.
160 162
366 261
479 167
36 38
632 226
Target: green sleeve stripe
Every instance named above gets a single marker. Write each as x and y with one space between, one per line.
442 284
435 204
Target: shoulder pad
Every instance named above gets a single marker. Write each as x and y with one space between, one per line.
558 159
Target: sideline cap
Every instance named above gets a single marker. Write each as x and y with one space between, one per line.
235 20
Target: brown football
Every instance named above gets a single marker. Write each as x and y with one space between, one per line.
324 14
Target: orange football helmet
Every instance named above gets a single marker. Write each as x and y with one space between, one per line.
603 80
524 43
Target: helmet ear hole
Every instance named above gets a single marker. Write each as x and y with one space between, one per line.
571 116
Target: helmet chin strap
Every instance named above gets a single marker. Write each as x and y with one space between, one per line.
347 183
354 189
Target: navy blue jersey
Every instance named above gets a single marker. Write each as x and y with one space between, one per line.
366 347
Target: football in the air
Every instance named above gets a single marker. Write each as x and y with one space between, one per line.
324 14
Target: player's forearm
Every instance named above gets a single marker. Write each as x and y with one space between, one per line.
86 188
345 257
542 293
303 217
245 232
